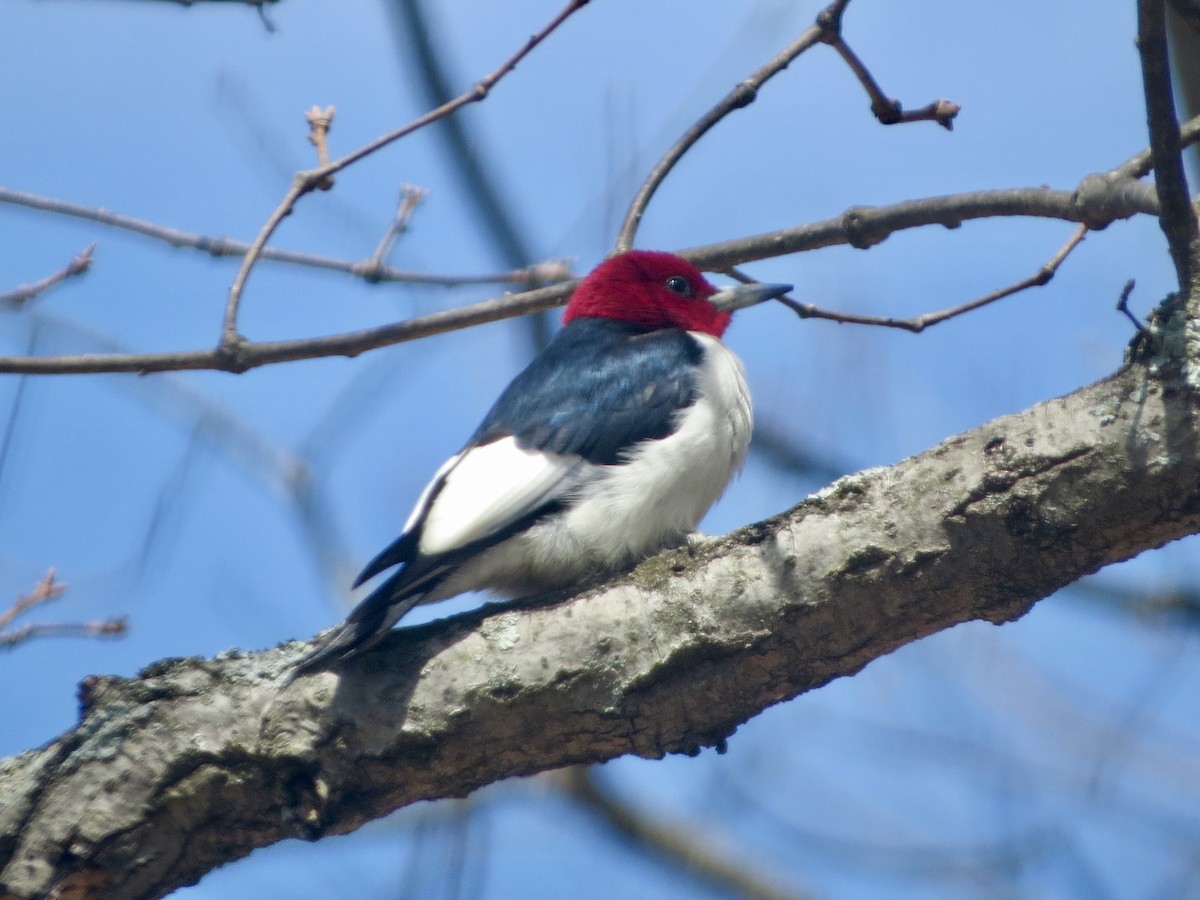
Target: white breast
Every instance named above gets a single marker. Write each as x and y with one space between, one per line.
624 513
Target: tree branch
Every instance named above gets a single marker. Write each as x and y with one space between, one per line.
1178 219
196 762
917 324
44 591
21 295
742 95
550 270
477 182
691 853
1097 202
826 30
232 344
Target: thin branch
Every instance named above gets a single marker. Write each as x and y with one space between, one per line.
1123 307
232 344
551 270
411 197
319 122
81 262
230 339
917 324
825 30
1178 219
1097 203
741 96
479 92
1141 163
45 590
478 185
682 847
888 110
111 627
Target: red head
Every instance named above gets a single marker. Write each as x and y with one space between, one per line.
654 290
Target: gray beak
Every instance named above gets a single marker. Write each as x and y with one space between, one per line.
742 295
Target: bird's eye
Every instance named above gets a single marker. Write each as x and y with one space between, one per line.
679 285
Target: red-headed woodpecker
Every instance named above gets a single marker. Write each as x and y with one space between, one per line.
610 446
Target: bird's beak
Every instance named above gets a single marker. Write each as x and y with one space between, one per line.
742 295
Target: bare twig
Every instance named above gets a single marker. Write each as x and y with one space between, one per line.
232 344
410 198
319 122
45 590
223 247
1177 219
1123 307
231 341
681 847
741 96
1105 202
1141 164
477 93
26 292
113 627
826 30
887 110
917 324
495 215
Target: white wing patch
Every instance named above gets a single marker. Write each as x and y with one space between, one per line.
419 507
490 487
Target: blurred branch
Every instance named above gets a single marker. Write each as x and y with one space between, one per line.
1178 218
1183 31
478 186
1002 861
774 445
45 590
222 247
79 264
1170 606
287 474
677 845
917 324
231 346
826 30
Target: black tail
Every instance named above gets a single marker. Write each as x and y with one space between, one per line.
343 642
371 620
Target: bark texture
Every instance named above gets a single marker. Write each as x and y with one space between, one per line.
196 762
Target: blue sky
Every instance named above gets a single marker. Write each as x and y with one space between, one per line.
161 497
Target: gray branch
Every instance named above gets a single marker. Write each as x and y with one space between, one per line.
196 762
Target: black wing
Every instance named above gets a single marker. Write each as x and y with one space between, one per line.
598 389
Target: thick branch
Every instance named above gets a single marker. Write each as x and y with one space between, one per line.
196 762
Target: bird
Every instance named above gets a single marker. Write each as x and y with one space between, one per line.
610 446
